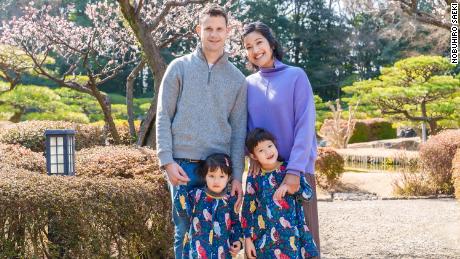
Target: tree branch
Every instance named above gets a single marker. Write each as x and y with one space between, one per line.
166 42
167 8
39 69
410 8
129 96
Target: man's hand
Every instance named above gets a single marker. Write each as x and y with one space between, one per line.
254 167
176 175
237 189
279 194
235 248
293 183
249 248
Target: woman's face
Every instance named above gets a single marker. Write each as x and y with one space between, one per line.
258 50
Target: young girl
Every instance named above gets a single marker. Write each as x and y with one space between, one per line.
215 230
273 221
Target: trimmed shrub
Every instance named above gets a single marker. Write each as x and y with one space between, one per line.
329 167
16 156
89 218
371 130
456 173
436 159
361 133
31 134
117 162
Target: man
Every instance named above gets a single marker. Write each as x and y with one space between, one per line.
202 109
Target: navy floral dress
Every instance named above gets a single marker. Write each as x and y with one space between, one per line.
214 225
277 228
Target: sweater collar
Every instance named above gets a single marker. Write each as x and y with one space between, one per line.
215 195
278 66
199 53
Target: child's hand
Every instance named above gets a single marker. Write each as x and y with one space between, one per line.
282 190
235 248
250 248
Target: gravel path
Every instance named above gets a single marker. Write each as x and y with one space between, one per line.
390 229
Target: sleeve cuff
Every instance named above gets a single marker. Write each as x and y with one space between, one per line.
165 158
294 172
247 235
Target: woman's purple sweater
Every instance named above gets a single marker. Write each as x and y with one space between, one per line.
280 100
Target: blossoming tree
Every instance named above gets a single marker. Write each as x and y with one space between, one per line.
92 54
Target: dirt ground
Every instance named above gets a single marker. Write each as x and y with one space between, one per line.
390 229
386 228
380 184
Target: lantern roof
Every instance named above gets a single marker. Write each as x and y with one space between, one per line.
60 132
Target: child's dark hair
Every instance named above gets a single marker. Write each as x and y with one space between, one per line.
214 162
256 136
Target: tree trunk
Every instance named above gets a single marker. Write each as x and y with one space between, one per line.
129 97
17 115
147 131
433 127
104 103
156 63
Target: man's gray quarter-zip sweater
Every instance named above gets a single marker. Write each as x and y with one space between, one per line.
202 111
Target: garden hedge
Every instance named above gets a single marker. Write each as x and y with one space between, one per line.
71 217
456 173
16 156
117 162
436 157
31 134
371 130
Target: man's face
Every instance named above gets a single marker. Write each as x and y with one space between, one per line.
213 32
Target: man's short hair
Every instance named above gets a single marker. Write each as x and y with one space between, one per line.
213 11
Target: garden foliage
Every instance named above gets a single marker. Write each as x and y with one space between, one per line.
329 167
456 173
117 205
87 217
436 159
31 134
371 130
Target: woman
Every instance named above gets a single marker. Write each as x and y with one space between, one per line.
280 100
